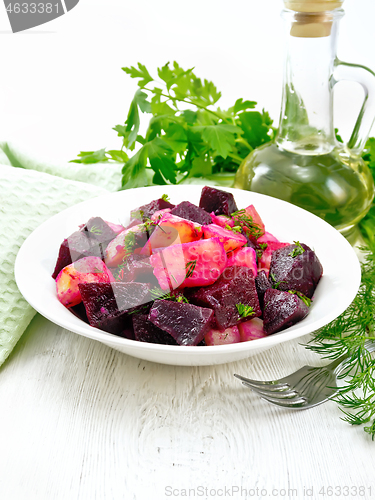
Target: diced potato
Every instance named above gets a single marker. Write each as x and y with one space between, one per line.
222 220
117 228
266 237
198 263
86 270
229 239
159 214
251 212
172 230
251 330
117 249
230 335
245 256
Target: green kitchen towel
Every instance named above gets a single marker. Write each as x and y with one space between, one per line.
30 193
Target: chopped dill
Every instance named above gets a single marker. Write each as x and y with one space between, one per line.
297 251
347 335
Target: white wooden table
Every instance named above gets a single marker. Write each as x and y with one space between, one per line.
79 420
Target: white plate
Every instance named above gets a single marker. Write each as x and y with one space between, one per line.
337 288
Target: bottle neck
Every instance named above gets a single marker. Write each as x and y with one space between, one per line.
306 121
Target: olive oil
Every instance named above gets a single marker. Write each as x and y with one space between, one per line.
333 186
306 165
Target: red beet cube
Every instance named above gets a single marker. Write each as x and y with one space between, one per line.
98 230
73 248
108 304
145 331
217 201
150 209
296 269
136 268
187 323
92 240
262 284
282 310
235 286
189 211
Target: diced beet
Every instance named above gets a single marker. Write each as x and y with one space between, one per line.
128 332
72 248
282 310
108 304
236 285
79 311
99 230
217 201
301 273
150 209
262 284
136 268
187 323
189 211
91 241
265 260
145 331
64 258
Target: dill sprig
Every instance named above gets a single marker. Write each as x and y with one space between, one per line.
159 294
347 334
96 230
190 268
275 283
246 222
260 250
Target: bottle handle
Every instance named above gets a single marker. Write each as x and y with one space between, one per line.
366 78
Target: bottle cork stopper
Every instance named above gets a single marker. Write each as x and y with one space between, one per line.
313 5
314 17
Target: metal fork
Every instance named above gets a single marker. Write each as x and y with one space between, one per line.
307 387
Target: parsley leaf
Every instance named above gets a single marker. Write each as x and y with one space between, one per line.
244 310
91 157
220 138
141 73
303 297
299 250
161 159
187 135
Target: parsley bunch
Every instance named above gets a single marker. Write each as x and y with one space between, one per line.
187 134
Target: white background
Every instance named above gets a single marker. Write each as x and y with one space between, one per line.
81 421
62 88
